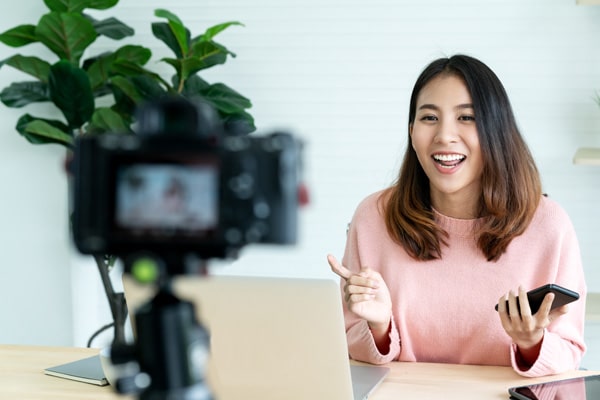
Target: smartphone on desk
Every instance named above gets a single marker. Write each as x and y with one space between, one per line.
582 388
562 296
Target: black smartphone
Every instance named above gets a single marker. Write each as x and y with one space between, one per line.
562 296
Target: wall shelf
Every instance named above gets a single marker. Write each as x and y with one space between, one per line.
587 2
587 156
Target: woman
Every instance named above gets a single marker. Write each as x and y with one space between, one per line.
464 227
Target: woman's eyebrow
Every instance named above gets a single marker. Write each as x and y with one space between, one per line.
428 106
463 106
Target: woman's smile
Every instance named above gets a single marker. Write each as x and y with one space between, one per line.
448 162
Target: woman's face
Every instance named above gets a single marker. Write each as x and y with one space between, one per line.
444 137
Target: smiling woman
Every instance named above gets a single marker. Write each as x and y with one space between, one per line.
464 225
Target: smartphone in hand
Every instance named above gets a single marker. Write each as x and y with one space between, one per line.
562 296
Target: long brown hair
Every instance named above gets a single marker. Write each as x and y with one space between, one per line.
511 187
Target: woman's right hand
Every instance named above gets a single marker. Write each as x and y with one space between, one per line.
366 295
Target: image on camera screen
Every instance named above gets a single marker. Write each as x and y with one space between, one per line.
167 197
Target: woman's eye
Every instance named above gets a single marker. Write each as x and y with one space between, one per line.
466 118
429 118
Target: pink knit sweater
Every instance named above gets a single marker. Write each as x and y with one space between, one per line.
443 310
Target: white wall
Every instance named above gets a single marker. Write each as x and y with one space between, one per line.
35 269
338 74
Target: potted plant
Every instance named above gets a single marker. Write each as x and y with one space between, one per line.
98 93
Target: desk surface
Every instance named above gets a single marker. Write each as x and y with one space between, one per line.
22 377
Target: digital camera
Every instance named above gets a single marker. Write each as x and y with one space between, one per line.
183 185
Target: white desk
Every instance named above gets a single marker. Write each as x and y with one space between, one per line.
22 378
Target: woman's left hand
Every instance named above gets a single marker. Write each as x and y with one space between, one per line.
525 329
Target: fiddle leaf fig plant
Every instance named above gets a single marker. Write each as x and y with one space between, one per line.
96 93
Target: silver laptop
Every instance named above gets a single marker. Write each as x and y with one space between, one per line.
272 338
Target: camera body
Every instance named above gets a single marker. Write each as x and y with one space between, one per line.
183 186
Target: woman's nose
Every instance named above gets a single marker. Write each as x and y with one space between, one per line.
447 132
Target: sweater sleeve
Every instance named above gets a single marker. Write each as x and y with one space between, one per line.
562 345
557 355
362 347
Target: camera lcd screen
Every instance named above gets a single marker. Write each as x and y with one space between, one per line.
160 199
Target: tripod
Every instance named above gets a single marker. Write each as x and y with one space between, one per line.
171 350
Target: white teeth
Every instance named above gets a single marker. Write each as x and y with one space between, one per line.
448 157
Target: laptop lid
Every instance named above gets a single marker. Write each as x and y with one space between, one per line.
272 338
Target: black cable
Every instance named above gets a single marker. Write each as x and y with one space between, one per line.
99 331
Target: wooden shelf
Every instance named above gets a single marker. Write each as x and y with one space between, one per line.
587 156
592 307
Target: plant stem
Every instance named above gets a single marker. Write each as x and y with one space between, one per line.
181 86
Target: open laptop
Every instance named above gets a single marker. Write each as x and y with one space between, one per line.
272 338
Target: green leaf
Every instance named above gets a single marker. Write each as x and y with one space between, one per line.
163 32
205 55
187 66
33 66
182 65
43 131
27 118
178 30
107 120
240 123
229 104
138 88
129 92
135 54
193 87
71 92
19 36
162 13
126 68
65 5
20 94
100 4
127 89
215 30
148 87
111 28
99 70
66 35
226 99
124 105
79 5
211 53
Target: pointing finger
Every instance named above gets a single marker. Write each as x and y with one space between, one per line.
338 268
